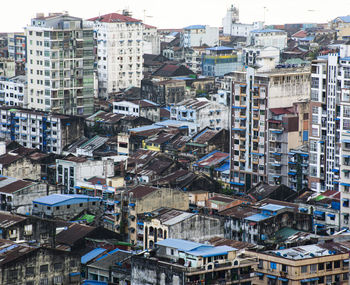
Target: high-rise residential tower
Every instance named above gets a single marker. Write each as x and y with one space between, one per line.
118 39
60 63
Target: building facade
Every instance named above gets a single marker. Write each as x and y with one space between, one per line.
60 65
218 61
198 35
268 38
13 91
45 131
118 41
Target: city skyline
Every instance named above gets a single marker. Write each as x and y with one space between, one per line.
198 12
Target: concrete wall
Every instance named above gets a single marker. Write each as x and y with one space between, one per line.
197 228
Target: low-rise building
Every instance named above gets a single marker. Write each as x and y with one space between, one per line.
185 262
268 37
7 67
17 195
201 111
176 224
112 267
38 265
258 225
71 169
141 199
65 207
326 263
138 108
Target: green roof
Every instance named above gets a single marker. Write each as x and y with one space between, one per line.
319 198
285 233
88 218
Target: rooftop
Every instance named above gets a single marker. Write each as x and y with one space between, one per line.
64 199
114 18
212 159
142 191
312 251
194 27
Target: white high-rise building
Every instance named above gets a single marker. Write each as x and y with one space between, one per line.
119 52
60 65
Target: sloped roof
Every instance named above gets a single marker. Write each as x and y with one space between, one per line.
142 191
73 234
114 18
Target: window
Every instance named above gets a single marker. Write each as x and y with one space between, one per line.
44 281
304 269
72 263
57 266
261 264
313 268
29 271
329 279
328 265
273 265
44 268
57 279
284 268
337 264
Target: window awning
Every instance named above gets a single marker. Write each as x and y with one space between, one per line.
345 184
292 173
259 274
282 279
345 141
318 213
331 215
271 276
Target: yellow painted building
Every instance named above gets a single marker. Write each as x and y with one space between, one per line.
326 263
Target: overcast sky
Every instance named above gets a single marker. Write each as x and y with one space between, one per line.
178 13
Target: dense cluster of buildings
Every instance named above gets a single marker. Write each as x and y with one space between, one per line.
203 155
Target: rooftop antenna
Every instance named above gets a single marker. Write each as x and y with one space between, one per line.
265 9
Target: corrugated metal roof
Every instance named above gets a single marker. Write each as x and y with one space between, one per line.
57 199
92 254
180 244
179 218
206 251
272 207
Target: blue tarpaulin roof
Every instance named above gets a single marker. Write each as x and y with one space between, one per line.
92 254
272 207
210 251
257 217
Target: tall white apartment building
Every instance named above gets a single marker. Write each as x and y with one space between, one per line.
13 91
60 64
198 35
231 17
330 127
119 52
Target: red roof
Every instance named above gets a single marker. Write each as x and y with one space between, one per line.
300 34
150 26
279 111
114 17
